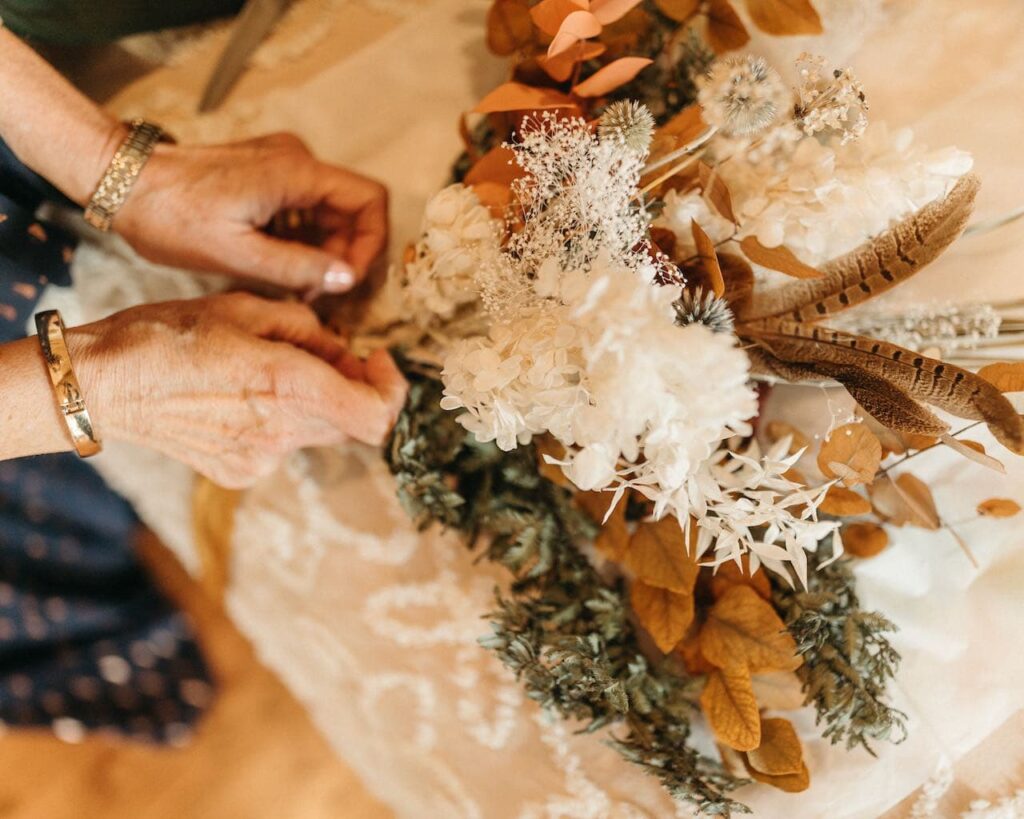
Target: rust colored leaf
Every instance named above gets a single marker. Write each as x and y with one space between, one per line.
497 166
658 556
708 258
560 68
777 430
778 690
693 659
851 453
790 783
611 76
777 258
915 441
515 96
666 615
579 25
742 628
729 574
864 539
716 191
998 508
1004 376
728 703
678 10
509 26
725 28
781 17
613 539
549 14
843 502
609 11
780 752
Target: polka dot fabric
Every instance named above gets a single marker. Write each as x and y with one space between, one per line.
86 640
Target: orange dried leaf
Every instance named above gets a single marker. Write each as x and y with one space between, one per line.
729 574
1005 376
495 196
693 659
517 96
998 508
708 258
728 702
742 628
685 126
778 690
678 10
549 14
608 11
560 68
851 453
915 441
666 615
716 191
864 539
843 502
780 752
579 25
658 556
891 442
777 430
777 258
613 539
611 76
780 17
725 28
509 26
905 500
790 783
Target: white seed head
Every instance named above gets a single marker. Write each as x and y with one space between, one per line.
741 95
629 123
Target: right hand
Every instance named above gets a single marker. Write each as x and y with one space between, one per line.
231 384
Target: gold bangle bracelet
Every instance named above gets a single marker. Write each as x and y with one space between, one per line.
124 169
50 327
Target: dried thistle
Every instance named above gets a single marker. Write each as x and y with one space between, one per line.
629 123
741 95
700 306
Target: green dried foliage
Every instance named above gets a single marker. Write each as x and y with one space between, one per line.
848 660
561 628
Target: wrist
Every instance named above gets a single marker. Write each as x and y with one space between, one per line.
94 366
100 143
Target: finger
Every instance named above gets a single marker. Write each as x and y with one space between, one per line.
283 321
296 265
384 376
365 204
352 367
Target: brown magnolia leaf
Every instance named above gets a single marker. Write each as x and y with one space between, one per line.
777 430
725 30
777 258
516 96
548 14
742 628
613 539
780 17
851 453
729 574
509 26
864 539
689 651
611 76
790 783
780 752
666 615
739 277
578 25
560 67
843 502
495 196
658 555
715 190
708 258
665 240
973 451
609 11
678 10
907 500
998 508
1004 376
778 690
729 705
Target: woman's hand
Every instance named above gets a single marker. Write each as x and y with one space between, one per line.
230 384
205 208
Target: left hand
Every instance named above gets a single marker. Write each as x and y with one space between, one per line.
205 207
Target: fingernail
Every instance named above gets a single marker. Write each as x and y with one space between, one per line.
339 278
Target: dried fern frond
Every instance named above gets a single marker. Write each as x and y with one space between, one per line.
875 266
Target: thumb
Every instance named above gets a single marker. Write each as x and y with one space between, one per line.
297 266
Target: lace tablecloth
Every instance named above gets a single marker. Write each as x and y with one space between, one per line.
374 626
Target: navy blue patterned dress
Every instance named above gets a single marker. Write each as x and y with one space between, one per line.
86 640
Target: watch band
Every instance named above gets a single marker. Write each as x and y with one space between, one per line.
124 169
50 327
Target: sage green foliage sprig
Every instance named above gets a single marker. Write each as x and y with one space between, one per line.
848 660
561 628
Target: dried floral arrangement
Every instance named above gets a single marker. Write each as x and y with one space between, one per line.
589 318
